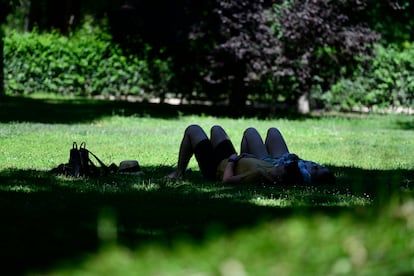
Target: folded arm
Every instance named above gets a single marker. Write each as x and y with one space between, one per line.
228 174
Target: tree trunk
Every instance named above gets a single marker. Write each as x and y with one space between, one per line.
237 99
303 105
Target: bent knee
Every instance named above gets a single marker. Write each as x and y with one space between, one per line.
216 129
194 128
274 131
249 131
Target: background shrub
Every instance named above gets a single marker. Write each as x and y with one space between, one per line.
85 63
88 62
388 82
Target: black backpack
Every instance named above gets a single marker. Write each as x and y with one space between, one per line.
80 163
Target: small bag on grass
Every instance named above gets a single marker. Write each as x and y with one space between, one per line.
80 163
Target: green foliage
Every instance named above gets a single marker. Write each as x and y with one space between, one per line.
388 82
321 41
393 19
85 63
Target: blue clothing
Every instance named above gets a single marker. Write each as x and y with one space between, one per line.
288 158
282 160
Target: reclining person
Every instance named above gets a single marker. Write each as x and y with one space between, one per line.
218 160
275 151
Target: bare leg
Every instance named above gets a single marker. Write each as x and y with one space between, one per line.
193 135
217 135
252 143
275 144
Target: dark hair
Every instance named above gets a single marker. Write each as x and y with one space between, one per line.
293 176
325 178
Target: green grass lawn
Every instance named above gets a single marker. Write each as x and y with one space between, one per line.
147 225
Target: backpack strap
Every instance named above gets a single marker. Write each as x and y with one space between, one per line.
83 148
105 167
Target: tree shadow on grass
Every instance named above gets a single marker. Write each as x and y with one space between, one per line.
379 185
81 110
406 125
47 219
69 111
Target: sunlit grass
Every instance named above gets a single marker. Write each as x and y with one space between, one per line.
359 142
148 225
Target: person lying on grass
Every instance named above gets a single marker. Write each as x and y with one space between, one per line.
218 160
259 162
275 151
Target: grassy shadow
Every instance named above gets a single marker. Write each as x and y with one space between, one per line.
47 219
406 125
379 185
83 110
69 111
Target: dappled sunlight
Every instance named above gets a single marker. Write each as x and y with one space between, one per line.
17 188
113 220
134 212
270 202
305 243
405 212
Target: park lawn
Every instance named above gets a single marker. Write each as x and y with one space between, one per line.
146 225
